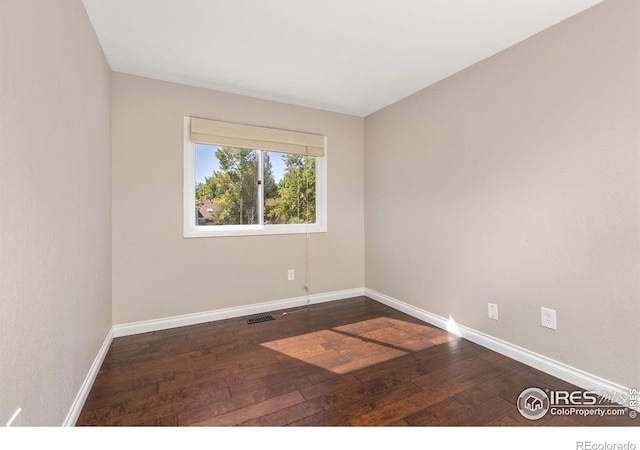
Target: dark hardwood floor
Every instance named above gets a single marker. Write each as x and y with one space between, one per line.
353 362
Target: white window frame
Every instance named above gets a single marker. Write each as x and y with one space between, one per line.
193 230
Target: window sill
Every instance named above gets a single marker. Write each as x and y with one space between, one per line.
251 230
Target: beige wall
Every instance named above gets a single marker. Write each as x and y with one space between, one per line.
55 219
156 272
516 182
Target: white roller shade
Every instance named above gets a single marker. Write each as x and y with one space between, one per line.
213 132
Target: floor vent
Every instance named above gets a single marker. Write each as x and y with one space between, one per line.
259 319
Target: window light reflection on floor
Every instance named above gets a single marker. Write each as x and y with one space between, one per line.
358 345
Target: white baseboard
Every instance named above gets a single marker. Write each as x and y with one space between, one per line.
85 388
557 369
146 326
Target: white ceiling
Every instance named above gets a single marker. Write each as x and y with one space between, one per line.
350 56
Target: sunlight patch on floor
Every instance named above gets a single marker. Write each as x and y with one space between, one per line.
358 345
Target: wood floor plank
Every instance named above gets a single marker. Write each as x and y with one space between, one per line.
438 413
395 411
489 411
135 410
340 407
439 376
296 375
422 361
291 414
483 392
105 384
103 400
332 385
254 411
367 361
240 401
436 392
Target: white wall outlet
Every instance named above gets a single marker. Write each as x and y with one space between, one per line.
493 311
291 275
16 419
548 318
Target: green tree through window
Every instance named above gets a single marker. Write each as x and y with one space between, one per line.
296 200
230 195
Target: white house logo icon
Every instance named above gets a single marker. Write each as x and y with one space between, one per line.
533 403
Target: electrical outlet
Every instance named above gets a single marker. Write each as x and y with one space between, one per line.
493 311
16 419
548 318
291 275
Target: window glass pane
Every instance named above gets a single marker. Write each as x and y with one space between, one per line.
289 188
226 185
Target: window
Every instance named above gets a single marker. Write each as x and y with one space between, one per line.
246 180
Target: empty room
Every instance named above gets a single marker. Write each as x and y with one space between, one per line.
322 213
